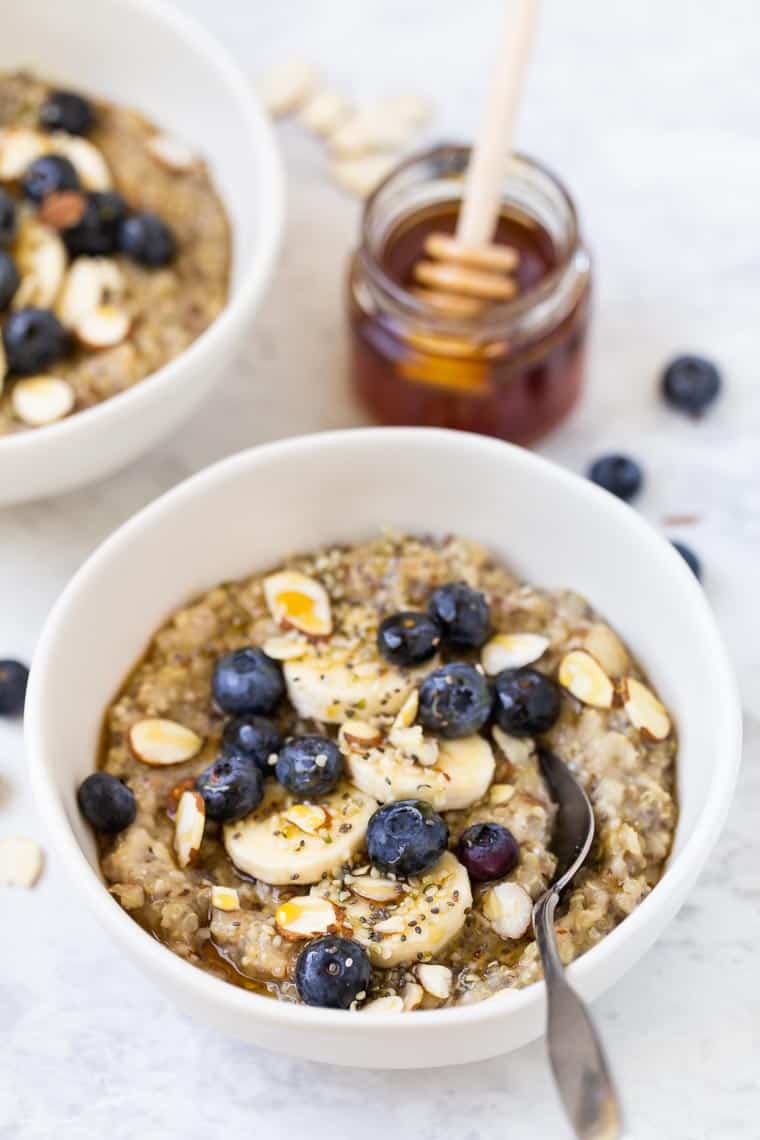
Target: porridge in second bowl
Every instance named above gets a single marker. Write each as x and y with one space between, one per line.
114 251
322 783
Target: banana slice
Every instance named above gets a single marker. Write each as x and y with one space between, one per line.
332 690
19 147
84 156
273 848
429 914
41 261
89 283
459 777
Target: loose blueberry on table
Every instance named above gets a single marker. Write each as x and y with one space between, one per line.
691 384
406 837
455 700
618 474
13 681
332 972
526 702
231 787
246 680
106 803
462 614
309 766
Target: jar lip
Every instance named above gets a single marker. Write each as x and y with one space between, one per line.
500 312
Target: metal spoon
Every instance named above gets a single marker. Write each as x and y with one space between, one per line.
577 1059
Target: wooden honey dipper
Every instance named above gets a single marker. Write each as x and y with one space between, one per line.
463 272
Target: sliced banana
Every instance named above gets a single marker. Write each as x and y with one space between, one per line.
19 147
269 846
89 283
459 777
297 601
41 400
87 160
428 915
105 327
333 690
40 258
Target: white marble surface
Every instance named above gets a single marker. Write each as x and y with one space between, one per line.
650 111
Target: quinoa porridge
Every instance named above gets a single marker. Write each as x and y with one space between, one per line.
322 783
114 250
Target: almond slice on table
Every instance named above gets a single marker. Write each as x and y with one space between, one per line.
324 111
287 86
159 742
305 916
645 711
172 153
509 909
377 128
360 176
20 861
89 163
19 147
512 651
584 677
40 258
89 283
391 1003
41 400
225 898
435 980
298 601
104 327
188 827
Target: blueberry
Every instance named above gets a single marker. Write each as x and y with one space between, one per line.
106 803
247 681
332 972
406 837
8 218
690 558
47 175
66 111
13 679
488 851
33 339
231 787
408 638
97 230
618 474
691 384
147 240
9 279
526 702
254 735
309 766
455 700
462 614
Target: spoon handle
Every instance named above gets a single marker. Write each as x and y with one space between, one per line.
578 1062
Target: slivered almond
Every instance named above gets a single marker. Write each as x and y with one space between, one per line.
412 995
435 980
360 735
159 742
309 818
188 827
645 711
225 898
407 714
297 601
305 916
584 677
391 1003
171 153
285 648
104 327
512 651
41 400
20 861
412 743
376 890
509 908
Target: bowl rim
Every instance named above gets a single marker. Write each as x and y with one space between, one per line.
253 276
172 969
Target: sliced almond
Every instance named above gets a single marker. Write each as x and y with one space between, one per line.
509 908
171 153
159 742
517 749
299 602
412 743
360 176
407 714
376 890
41 400
512 651
584 677
371 129
225 898
645 711
501 794
436 980
324 111
19 147
20 861
309 818
89 283
285 648
89 163
104 327
305 916
287 86
606 647
412 995
359 735
40 258
188 827
391 1003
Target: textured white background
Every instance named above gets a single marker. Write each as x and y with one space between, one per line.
651 112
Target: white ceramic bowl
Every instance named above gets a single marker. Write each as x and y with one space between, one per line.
143 53
244 514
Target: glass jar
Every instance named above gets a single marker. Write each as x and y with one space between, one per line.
514 370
